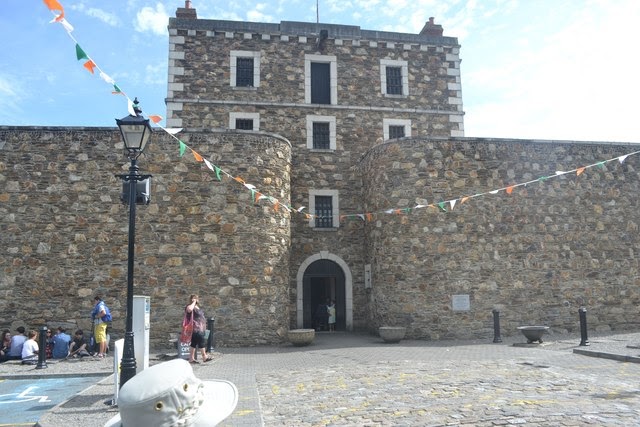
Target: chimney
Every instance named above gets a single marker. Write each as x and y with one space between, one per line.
186 12
431 29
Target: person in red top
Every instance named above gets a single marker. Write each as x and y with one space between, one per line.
197 316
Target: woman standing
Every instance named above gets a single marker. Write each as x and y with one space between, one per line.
331 309
194 313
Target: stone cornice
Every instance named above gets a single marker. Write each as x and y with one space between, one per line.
312 106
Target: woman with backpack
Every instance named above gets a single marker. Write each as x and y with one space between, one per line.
100 315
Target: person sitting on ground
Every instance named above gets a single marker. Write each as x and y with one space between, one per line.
78 347
61 342
30 349
48 346
17 341
5 345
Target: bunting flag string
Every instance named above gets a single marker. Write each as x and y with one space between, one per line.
256 195
442 205
89 64
59 17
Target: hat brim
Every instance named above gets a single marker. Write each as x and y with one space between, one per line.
220 400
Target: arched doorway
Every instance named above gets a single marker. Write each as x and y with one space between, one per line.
320 277
323 282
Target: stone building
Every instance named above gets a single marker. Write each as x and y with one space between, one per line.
333 91
356 140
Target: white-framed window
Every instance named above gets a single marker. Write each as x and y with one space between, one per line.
321 132
394 77
320 79
244 121
396 128
245 69
323 204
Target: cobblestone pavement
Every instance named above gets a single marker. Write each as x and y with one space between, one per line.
419 384
482 393
356 380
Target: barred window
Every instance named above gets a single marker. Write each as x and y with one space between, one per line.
324 211
321 135
396 131
394 80
244 124
244 72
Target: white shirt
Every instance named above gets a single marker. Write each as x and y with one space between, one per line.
30 349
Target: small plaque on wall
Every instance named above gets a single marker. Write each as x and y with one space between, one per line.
460 303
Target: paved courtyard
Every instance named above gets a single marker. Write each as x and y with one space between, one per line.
412 384
356 380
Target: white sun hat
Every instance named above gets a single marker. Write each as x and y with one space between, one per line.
169 394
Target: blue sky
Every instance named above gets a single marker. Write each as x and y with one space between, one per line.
540 69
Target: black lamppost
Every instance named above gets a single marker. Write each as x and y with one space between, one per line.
135 132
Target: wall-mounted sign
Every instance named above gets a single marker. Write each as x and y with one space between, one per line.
460 303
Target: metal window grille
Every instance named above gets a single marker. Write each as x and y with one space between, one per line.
324 211
244 72
396 132
394 80
321 135
244 124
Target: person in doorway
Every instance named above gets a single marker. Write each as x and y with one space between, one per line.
321 316
100 315
331 309
30 349
78 347
197 316
61 342
17 341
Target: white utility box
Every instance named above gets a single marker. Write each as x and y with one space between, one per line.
141 324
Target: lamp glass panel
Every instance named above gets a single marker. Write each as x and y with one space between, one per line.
135 137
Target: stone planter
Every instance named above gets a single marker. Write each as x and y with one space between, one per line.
392 334
533 333
301 337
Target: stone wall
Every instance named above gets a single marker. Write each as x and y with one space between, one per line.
536 255
65 232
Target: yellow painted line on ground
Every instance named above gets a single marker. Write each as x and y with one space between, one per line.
243 412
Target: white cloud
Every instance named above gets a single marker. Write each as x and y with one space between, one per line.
257 14
156 74
106 17
154 20
336 6
11 96
566 75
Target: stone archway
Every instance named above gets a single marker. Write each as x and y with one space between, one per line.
348 287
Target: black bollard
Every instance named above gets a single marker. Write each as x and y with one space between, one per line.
42 351
211 343
496 326
583 326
